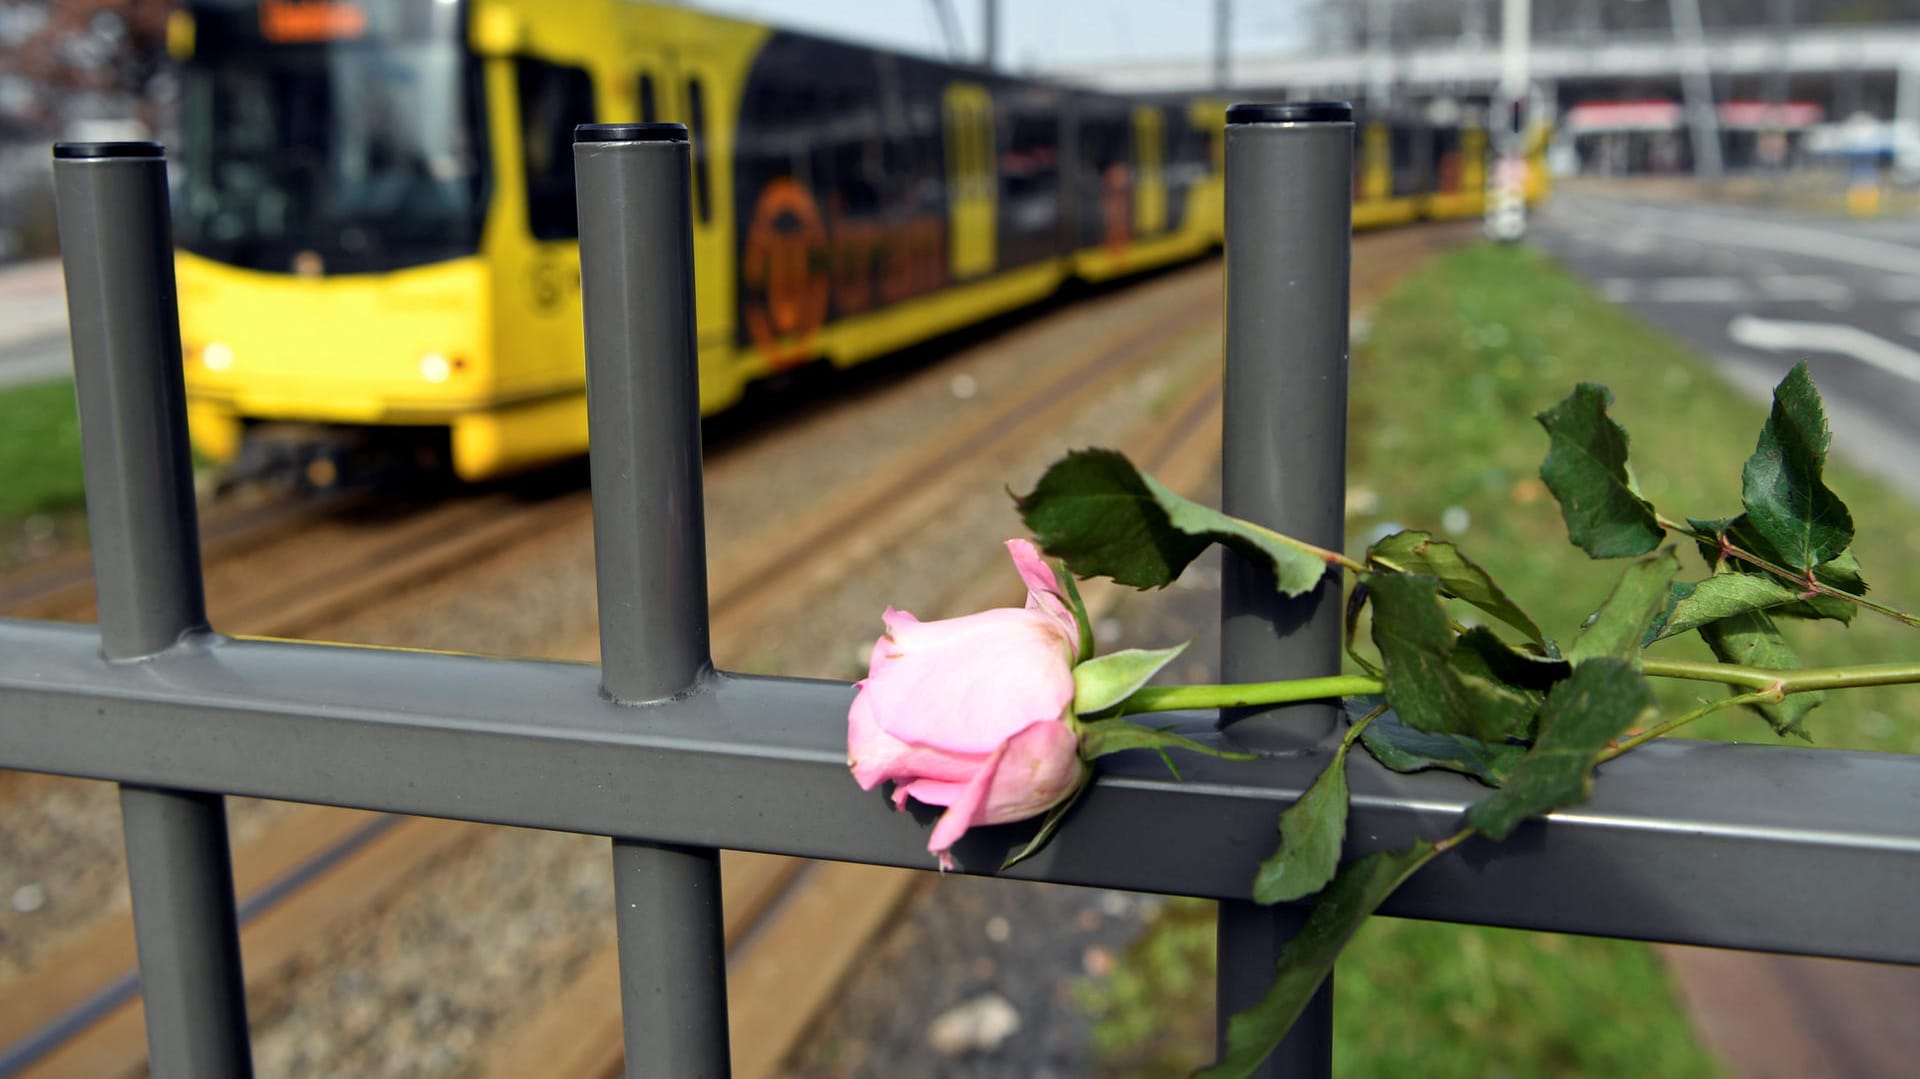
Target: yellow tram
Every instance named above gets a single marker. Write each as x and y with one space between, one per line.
377 243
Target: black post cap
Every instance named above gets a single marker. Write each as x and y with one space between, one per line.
71 151
630 133
1292 112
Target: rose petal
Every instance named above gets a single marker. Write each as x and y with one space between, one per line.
1029 775
933 792
876 756
1040 768
1043 588
961 813
966 685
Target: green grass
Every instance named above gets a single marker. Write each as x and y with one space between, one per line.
1415 999
1460 357
39 451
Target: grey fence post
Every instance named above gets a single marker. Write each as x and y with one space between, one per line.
649 530
1288 240
116 246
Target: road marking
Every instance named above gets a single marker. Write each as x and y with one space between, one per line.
1697 290
1619 289
1793 239
1811 287
1912 323
1901 289
1780 335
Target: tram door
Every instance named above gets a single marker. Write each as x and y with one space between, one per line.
971 180
679 86
1376 162
1149 176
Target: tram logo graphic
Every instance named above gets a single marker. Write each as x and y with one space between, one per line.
784 271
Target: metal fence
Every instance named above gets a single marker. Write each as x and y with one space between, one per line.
1746 847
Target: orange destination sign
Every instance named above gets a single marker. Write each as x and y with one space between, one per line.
291 21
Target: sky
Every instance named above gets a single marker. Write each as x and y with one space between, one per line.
1037 34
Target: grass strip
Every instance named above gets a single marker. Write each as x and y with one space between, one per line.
1459 358
39 450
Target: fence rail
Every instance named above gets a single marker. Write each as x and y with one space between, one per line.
1766 848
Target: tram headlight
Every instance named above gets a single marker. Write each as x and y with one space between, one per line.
217 357
435 368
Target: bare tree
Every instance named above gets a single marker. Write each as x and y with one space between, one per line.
73 59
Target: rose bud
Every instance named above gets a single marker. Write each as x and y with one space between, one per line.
974 713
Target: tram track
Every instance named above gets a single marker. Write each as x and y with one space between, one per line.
779 978
60 587
322 869
77 1013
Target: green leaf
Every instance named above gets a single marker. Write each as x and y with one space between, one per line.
1695 603
1404 749
1604 698
1106 518
1093 511
1586 469
1051 825
1311 831
1358 890
1459 576
1107 680
1424 684
1752 640
1410 630
1781 486
1482 653
1841 573
1507 687
1717 527
1357 602
1619 628
1104 736
1080 619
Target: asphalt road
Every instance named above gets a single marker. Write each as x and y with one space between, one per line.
1759 290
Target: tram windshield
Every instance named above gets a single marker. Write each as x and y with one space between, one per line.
337 157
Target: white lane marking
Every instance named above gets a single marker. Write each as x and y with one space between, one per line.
1900 289
1619 289
1912 323
1781 335
1793 239
1633 242
1697 290
1811 287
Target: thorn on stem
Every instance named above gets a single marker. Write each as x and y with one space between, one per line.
1619 744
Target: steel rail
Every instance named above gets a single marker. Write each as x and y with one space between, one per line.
288 611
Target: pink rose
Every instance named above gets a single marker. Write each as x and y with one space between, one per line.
973 713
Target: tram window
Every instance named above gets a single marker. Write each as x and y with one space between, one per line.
1031 162
553 100
648 112
697 130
